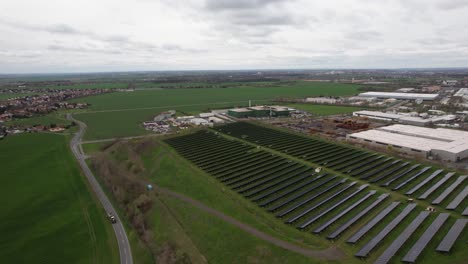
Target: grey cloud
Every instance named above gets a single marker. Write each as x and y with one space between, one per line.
364 35
218 5
452 4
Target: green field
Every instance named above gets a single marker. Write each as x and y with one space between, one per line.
5 96
324 110
48 213
123 112
47 120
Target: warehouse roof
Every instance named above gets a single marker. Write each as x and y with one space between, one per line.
240 110
420 138
423 96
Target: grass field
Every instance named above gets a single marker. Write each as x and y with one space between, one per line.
324 110
48 213
122 113
47 120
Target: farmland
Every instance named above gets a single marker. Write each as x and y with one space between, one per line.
118 114
50 216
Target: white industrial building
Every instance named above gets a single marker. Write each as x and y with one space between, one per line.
439 143
405 118
321 100
401 96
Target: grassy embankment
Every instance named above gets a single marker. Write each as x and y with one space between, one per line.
122 113
179 229
49 215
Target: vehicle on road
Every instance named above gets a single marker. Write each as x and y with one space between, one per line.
111 218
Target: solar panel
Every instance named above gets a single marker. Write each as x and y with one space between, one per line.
425 238
387 229
460 197
284 186
375 172
390 172
304 212
410 179
363 164
465 212
332 207
436 186
370 167
455 231
449 190
424 182
308 190
401 239
398 176
353 162
353 220
361 232
342 213
298 187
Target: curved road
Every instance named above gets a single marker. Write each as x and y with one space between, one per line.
122 239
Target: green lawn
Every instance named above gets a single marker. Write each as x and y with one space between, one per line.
48 213
324 110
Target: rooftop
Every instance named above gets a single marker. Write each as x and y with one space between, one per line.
423 96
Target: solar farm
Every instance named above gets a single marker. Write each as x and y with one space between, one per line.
373 204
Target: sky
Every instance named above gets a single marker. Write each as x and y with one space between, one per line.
50 36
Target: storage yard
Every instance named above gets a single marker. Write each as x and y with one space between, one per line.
358 198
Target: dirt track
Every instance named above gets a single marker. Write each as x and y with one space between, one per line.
331 253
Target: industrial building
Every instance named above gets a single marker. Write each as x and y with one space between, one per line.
405 118
439 143
401 96
259 111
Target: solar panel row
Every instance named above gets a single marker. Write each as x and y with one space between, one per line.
364 251
402 238
425 238
361 232
331 207
455 231
342 213
457 200
436 186
449 190
410 179
424 182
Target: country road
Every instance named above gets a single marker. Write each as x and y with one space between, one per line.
122 239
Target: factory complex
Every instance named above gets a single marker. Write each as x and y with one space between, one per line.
439 143
438 118
260 111
400 96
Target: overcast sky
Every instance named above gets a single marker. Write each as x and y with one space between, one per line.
130 35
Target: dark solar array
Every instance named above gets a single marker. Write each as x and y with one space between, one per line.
425 238
331 207
436 186
402 238
400 175
457 201
449 190
424 182
410 179
343 213
357 217
465 212
364 251
361 232
379 170
455 231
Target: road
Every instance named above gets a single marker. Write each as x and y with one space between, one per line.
125 250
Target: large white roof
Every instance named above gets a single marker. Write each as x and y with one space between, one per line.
423 96
420 138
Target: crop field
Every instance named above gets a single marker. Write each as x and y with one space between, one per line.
49 215
47 120
5 96
120 114
337 207
324 110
